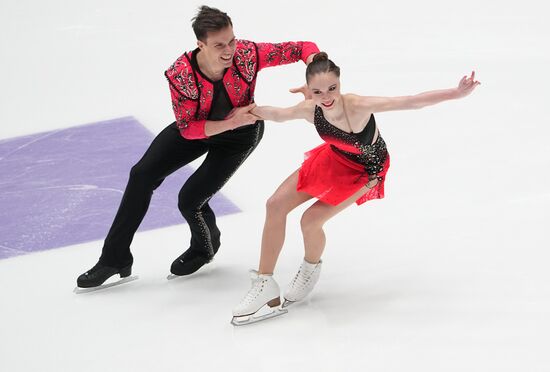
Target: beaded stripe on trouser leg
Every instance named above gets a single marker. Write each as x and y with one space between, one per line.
227 152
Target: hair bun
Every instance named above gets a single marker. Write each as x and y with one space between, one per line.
319 57
321 64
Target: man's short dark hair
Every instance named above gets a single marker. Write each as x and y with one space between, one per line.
209 19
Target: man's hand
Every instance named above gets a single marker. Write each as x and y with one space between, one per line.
310 58
242 116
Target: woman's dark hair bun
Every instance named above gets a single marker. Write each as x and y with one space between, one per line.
321 56
319 64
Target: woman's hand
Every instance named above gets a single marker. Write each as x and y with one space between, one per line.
466 85
303 89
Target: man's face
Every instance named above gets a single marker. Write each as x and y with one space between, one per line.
219 47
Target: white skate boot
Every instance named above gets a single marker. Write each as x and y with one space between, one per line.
264 294
303 282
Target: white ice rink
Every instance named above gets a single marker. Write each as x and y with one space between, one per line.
450 272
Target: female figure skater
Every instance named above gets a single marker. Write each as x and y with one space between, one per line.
349 167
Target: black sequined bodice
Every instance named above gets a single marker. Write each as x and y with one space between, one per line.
357 147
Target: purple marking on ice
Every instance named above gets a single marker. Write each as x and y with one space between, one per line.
63 187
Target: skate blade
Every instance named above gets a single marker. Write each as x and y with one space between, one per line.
206 268
79 290
250 319
287 303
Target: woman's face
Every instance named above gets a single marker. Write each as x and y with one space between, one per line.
325 89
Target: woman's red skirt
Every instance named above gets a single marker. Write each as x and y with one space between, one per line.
333 178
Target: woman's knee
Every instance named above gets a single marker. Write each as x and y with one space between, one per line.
277 204
312 220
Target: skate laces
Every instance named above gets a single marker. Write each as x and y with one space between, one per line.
257 288
302 278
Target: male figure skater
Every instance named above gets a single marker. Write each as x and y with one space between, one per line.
212 89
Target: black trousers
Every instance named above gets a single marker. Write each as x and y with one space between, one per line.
168 152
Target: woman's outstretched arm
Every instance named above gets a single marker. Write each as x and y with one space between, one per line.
380 104
303 110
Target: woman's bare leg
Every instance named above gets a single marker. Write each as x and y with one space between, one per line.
313 220
284 200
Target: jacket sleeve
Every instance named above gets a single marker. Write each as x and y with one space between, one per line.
276 54
185 109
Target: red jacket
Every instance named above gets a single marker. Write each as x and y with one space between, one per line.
192 94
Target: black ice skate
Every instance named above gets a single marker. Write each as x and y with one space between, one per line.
93 279
189 262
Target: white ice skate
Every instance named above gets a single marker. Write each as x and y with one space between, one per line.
262 301
303 283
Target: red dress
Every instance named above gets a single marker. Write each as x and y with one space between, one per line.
337 169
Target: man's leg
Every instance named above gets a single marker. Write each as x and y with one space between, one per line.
167 153
225 156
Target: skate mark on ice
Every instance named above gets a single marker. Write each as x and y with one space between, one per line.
27 144
6 252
